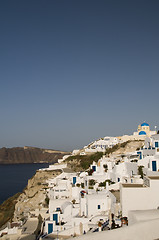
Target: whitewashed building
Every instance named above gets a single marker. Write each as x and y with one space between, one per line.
102 144
140 196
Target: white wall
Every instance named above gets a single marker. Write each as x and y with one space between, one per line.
139 198
97 199
148 230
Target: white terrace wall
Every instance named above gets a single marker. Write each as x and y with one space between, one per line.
139 198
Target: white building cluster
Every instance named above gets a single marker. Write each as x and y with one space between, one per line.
107 193
114 191
101 145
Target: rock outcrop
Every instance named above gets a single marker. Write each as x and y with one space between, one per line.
34 195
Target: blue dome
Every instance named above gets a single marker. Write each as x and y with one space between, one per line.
144 124
142 133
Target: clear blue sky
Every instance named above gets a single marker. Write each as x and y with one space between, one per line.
74 71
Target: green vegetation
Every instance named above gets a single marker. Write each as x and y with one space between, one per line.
92 182
83 161
74 201
47 201
106 167
82 185
140 171
116 147
135 160
7 209
90 171
103 184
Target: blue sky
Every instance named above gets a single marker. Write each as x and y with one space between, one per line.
74 71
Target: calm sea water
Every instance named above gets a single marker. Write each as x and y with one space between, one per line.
14 178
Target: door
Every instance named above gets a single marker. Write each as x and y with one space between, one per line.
74 180
154 166
55 218
50 228
94 168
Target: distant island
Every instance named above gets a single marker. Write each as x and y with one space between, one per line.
18 155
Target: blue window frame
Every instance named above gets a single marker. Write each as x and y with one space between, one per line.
156 144
98 206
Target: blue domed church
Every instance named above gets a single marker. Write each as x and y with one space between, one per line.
144 130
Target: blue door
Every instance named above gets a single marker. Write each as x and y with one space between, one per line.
74 180
55 218
50 228
154 166
156 144
94 168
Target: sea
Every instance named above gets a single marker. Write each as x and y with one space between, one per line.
14 178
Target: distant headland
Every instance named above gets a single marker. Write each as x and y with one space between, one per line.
17 155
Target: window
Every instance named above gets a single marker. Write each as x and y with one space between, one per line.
98 206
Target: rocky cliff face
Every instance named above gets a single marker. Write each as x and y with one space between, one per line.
29 155
35 194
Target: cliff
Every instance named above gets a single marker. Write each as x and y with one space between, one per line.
29 155
34 196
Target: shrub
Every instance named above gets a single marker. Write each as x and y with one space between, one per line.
82 185
47 201
106 167
84 161
92 182
140 171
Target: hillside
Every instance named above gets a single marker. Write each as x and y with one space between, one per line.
82 162
29 155
125 147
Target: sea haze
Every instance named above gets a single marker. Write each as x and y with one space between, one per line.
14 178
